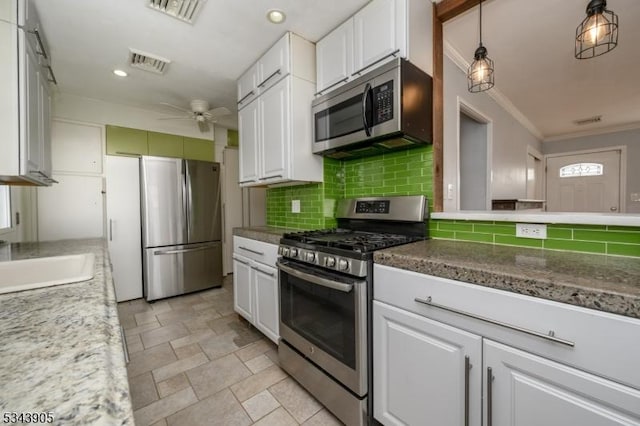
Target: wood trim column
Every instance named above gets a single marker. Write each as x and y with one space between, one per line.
438 113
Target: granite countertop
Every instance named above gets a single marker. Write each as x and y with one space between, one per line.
60 347
605 283
266 234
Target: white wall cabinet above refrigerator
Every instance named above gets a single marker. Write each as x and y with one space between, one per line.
25 106
375 35
274 121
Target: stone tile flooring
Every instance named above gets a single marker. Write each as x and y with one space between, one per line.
193 361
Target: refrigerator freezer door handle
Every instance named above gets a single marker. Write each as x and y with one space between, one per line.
180 251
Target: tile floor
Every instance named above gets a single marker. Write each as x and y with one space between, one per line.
193 361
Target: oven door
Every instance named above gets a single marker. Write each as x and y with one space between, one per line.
323 316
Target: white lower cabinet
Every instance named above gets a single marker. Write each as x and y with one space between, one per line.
255 285
426 372
527 390
426 329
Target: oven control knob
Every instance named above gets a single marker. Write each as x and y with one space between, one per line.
331 261
310 257
293 252
285 251
343 265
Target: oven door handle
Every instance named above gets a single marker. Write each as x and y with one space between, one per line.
346 288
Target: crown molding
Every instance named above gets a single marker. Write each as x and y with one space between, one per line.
593 132
494 93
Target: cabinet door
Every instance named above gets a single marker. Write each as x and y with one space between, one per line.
267 314
123 225
377 33
248 86
242 287
275 130
422 376
33 138
248 128
125 141
44 103
527 390
198 149
275 64
165 145
334 57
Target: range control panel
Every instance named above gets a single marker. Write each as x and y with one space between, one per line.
381 207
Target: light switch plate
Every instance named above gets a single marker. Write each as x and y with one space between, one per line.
295 206
531 230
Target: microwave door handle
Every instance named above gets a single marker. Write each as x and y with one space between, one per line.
365 98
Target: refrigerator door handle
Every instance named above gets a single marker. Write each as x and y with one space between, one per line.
186 198
180 251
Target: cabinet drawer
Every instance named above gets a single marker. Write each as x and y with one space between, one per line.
256 250
604 344
275 64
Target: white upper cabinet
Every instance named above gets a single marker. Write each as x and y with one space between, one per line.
377 33
334 57
280 115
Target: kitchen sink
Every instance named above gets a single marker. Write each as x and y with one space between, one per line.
28 274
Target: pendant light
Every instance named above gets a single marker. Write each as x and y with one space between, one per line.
480 73
598 33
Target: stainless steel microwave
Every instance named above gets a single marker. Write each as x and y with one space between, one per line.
386 109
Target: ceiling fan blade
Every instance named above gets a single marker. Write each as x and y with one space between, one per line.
184 117
176 107
218 112
203 126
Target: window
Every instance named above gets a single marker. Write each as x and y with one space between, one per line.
582 169
5 207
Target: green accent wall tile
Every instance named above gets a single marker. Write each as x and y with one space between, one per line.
435 233
569 245
613 236
573 226
560 233
495 229
464 227
515 241
623 249
198 149
471 236
165 145
623 228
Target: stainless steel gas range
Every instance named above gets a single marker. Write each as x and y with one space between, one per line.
326 291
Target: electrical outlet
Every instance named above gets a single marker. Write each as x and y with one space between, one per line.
450 191
295 206
531 230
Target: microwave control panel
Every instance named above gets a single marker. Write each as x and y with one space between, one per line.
383 102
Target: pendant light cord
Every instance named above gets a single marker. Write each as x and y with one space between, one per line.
480 22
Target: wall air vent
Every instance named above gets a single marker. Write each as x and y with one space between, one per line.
184 10
148 62
590 120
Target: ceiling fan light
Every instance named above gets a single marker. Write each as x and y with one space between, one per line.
597 34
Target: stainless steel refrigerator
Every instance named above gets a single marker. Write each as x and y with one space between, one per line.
181 226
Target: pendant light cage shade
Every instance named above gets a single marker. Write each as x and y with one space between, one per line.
480 73
598 33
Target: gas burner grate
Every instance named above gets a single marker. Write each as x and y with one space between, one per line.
355 241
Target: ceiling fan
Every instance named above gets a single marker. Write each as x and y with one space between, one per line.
199 112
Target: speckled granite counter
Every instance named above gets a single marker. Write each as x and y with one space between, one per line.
266 234
606 283
60 347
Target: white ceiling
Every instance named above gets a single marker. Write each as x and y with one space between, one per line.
532 44
90 38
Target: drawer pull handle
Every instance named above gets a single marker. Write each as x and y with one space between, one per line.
489 396
551 336
467 367
259 253
271 274
245 97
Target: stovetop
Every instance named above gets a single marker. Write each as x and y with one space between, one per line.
350 240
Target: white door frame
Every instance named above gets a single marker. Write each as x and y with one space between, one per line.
543 178
623 169
463 106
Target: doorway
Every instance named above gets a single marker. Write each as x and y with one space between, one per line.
584 182
474 160
535 174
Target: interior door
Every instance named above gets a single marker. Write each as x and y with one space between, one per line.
584 182
203 199
163 208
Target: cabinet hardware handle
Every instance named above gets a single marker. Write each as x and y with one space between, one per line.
467 367
549 336
53 76
259 253
124 346
247 181
42 51
489 396
271 274
271 177
345 288
130 154
394 53
245 97
329 87
269 78
180 251
245 262
224 224
110 229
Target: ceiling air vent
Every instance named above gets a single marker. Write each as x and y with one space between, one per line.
148 62
590 120
184 10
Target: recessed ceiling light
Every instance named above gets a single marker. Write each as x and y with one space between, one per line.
276 16
120 73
